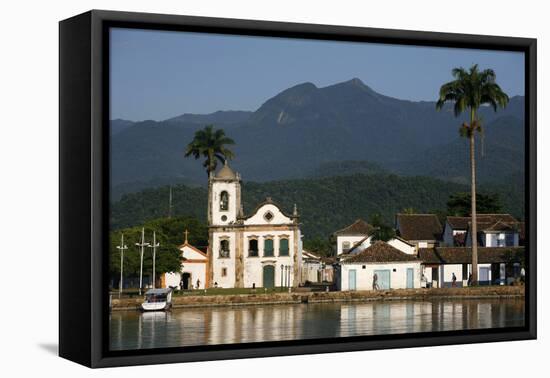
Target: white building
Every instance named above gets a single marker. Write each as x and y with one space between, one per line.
355 237
496 265
193 269
393 268
262 249
494 230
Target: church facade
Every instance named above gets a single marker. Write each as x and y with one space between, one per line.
262 249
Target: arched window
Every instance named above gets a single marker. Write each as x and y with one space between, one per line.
283 247
224 201
224 248
268 247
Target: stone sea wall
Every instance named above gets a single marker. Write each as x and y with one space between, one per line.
183 301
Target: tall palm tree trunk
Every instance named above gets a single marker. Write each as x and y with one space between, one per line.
474 213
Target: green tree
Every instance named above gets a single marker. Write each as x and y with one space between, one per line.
210 144
170 235
383 231
319 246
469 90
459 204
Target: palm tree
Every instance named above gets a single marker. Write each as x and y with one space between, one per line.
471 89
211 144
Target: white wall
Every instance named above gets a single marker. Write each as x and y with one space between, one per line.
231 213
253 266
364 277
218 263
446 272
402 246
258 217
340 240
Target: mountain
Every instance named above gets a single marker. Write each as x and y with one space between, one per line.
230 117
118 125
293 134
347 168
324 204
499 154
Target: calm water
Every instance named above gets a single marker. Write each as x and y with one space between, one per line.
223 325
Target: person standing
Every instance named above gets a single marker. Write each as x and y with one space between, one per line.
198 283
454 280
375 282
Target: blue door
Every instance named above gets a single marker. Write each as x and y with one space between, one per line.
351 279
410 278
484 276
383 279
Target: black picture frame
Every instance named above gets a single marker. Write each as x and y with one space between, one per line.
84 189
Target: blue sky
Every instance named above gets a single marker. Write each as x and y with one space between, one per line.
158 74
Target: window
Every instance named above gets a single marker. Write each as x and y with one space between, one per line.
224 248
224 272
510 239
224 201
501 241
268 247
346 246
253 247
283 247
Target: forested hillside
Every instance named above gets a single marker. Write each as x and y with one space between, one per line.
324 204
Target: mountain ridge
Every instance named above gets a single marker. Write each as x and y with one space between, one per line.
297 130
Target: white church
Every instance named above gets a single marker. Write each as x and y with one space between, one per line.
262 249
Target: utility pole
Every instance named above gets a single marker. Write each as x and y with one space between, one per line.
121 248
154 246
141 245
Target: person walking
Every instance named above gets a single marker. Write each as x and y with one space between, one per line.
454 280
198 283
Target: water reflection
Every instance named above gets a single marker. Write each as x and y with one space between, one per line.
226 325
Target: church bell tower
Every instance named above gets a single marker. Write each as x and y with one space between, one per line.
224 197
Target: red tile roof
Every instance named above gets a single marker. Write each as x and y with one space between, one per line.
419 226
463 255
484 221
359 228
379 252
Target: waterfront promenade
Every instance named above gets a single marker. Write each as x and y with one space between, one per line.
200 299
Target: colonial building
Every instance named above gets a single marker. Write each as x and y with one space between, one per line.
494 230
193 269
356 236
262 249
393 268
496 265
422 230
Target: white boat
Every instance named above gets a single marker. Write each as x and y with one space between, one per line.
157 300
